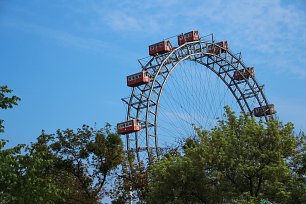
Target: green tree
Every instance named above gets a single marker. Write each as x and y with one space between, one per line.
6 102
24 172
25 177
130 183
299 172
240 160
66 167
85 159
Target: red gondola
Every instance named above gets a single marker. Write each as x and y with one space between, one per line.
138 79
246 73
129 126
264 110
160 48
218 47
188 37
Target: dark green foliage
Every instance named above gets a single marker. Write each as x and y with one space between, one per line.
299 172
240 160
85 159
66 167
6 102
25 178
25 171
130 183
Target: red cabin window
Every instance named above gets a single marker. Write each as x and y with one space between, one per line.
138 79
160 48
217 47
244 73
129 126
188 37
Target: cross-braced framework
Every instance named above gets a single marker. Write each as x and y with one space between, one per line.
145 100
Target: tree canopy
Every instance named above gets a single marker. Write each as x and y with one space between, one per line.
240 160
6 102
66 167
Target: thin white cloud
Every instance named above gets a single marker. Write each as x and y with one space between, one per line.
264 25
122 21
133 16
267 28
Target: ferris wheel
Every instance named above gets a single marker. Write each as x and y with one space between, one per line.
186 86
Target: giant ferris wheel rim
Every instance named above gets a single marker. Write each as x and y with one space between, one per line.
189 51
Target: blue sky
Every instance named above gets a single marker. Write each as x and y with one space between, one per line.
68 60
